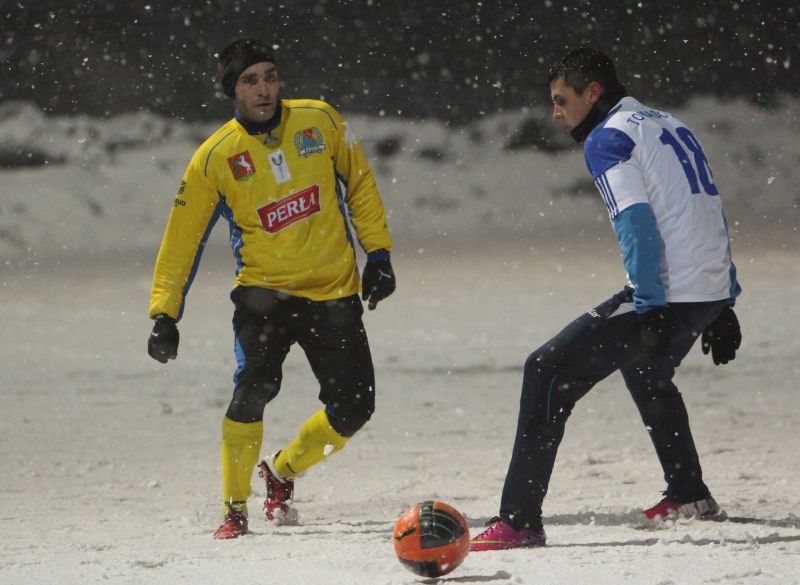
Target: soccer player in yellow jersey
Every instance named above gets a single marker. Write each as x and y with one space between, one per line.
291 180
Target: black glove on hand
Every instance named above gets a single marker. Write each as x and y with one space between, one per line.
653 333
723 337
163 342
378 280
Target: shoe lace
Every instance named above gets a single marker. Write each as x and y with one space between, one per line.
530 525
493 520
234 515
493 524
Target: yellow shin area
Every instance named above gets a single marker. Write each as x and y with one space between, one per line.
317 441
241 445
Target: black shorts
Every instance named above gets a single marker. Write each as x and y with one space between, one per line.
331 333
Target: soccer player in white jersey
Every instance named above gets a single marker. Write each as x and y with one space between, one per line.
665 208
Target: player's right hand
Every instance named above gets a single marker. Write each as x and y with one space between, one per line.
163 342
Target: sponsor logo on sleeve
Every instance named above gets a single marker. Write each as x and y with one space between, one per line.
309 141
284 212
242 166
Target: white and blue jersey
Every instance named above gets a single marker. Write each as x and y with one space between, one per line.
665 208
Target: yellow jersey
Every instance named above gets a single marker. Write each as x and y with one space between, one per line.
290 190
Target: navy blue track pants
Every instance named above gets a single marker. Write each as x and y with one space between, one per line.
565 368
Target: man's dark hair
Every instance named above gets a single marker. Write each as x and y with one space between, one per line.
582 66
238 56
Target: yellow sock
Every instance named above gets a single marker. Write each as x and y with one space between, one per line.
241 445
316 441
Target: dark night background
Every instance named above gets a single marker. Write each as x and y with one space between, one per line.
454 60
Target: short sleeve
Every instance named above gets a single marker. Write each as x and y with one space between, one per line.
611 160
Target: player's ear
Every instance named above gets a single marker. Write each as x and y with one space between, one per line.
593 92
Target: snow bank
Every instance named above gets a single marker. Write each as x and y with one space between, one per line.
79 185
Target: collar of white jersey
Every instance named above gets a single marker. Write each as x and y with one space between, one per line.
599 112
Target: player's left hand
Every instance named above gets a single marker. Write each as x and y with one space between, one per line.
163 342
378 280
653 333
723 337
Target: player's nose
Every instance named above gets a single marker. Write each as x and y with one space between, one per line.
263 87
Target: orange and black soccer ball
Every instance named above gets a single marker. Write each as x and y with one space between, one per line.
431 538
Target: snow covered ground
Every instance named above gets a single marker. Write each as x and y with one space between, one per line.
109 460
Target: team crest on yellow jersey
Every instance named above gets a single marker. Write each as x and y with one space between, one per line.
242 166
309 141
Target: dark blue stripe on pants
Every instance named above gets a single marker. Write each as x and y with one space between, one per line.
565 368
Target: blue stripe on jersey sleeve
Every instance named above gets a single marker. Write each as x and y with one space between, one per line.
208 158
234 231
605 148
608 195
641 246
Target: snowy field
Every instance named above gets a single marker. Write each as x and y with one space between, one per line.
110 460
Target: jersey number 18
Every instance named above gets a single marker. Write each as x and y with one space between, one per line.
700 167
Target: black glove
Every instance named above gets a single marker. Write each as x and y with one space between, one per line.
163 342
723 337
378 280
653 333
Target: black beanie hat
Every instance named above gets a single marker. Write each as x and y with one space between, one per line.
238 56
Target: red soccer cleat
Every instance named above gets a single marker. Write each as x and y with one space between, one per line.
502 536
233 526
279 491
667 509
